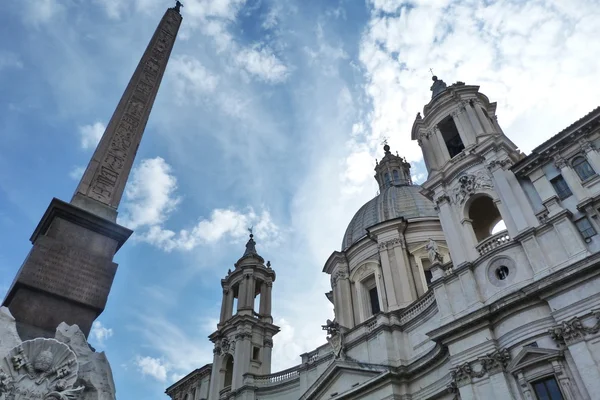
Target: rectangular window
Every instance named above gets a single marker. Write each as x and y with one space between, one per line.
547 389
451 137
428 277
585 228
255 353
560 187
374 301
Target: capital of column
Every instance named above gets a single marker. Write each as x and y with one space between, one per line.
573 330
560 162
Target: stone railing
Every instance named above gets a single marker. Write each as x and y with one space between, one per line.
417 308
371 324
493 242
278 377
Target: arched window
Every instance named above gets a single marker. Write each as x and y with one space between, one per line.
582 167
396 176
386 178
484 216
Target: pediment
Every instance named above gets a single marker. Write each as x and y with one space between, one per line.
341 377
532 355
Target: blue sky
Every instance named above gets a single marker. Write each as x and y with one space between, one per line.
271 114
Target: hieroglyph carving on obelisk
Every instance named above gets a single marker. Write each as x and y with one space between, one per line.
105 177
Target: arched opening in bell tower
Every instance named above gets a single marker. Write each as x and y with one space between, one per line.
451 136
227 370
485 217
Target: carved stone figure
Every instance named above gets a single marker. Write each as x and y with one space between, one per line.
438 86
335 337
469 184
433 252
178 6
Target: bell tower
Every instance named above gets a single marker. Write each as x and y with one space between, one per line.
244 336
468 157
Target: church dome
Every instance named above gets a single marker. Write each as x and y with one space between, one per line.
393 202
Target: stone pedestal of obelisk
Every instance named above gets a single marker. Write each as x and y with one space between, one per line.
69 271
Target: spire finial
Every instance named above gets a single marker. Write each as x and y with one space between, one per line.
431 70
386 146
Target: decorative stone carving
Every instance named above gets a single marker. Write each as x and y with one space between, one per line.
586 145
337 275
433 252
573 330
39 369
492 165
489 364
469 184
560 162
335 337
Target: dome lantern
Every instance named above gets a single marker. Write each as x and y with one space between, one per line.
392 170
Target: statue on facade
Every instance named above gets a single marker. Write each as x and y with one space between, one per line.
433 252
438 86
335 337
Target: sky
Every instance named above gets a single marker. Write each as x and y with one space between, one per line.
271 114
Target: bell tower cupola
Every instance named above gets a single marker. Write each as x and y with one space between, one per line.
468 159
392 170
244 337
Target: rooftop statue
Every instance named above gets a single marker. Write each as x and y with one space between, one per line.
438 86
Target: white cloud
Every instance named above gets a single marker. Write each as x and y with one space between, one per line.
223 224
150 194
99 333
262 63
192 79
91 134
76 173
153 367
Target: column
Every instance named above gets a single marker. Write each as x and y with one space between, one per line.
408 292
428 154
515 213
345 314
469 234
588 370
242 289
500 387
534 253
229 307
266 358
442 301
474 121
485 122
263 299
388 281
224 305
241 359
571 178
451 231
250 292
544 188
467 393
268 300
469 287
466 136
215 377
442 145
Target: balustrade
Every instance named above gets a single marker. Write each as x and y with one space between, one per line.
493 242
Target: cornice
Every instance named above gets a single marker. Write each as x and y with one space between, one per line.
585 268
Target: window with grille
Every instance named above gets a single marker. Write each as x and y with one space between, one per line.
547 389
585 228
560 187
583 168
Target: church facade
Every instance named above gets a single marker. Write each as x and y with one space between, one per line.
432 299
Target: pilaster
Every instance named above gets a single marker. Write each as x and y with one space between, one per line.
571 178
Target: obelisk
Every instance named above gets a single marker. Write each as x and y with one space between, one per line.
69 271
